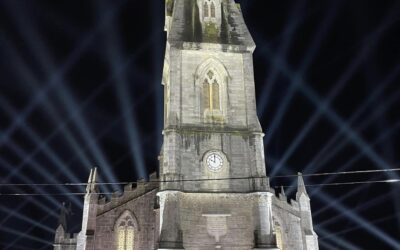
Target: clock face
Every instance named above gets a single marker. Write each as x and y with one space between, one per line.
214 161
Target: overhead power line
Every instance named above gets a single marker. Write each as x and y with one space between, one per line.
107 193
342 172
200 180
310 185
350 183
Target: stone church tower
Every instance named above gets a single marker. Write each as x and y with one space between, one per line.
212 191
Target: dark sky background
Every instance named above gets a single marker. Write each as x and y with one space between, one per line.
74 75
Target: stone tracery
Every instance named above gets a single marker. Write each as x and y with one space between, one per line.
125 230
212 77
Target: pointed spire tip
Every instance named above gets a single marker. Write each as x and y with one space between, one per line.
301 187
283 191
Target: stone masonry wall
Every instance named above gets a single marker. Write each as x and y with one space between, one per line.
287 215
185 88
146 231
243 159
234 218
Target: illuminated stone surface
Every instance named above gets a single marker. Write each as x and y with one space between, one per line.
214 192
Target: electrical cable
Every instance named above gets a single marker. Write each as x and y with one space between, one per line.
198 180
349 183
103 193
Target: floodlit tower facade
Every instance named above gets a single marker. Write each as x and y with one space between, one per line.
212 191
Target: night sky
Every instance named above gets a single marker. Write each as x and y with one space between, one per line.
80 86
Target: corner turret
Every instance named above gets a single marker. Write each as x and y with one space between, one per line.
92 187
282 195
89 212
64 213
62 237
310 238
301 187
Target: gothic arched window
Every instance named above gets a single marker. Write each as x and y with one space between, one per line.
211 92
211 78
212 9
125 233
205 9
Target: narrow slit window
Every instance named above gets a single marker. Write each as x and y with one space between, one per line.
205 9
215 95
212 9
206 94
211 92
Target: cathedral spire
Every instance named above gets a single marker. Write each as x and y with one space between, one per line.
90 204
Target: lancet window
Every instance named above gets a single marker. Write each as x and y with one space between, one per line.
125 230
212 81
212 9
211 92
205 9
